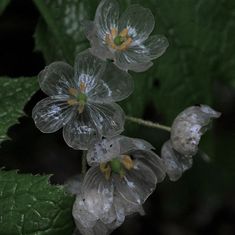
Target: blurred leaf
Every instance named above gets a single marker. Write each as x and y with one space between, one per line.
30 205
14 93
3 5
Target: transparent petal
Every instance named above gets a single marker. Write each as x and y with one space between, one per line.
108 118
155 46
56 78
97 191
81 214
115 85
131 144
81 132
189 126
98 48
110 148
106 17
52 113
137 184
174 162
128 60
153 161
88 70
139 21
103 151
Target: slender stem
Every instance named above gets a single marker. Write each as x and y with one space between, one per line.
84 162
148 123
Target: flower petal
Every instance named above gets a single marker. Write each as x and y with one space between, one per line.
115 85
128 60
106 17
81 132
153 161
88 70
97 191
174 162
137 184
52 113
155 46
139 21
56 78
189 126
98 48
81 214
108 118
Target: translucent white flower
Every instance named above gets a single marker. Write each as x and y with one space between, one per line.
89 224
124 172
186 132
82 100
125 39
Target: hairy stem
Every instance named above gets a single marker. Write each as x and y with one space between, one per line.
148 123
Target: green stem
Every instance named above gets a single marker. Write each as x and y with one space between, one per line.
148 123
84 162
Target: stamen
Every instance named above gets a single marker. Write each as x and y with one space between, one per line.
125 44
114 32
73 91
82 87
72 102
127 162
124 33
106 169
81 106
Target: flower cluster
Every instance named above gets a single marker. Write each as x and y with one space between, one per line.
82 100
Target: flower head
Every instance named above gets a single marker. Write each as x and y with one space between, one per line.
186 132
82 100
125 39
123 173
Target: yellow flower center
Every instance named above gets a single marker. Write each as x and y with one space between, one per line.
117 165
80 97
119 42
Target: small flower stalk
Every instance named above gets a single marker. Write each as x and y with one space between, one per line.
125 38
123 172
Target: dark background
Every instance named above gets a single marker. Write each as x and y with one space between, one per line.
201 202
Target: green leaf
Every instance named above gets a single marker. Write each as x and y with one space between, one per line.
3 5
14 93
29 205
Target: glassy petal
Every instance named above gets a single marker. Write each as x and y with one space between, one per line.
131 144
108 118
73 184
81 214
153 161
52 113
81 132
56 78
189 126
155 46
174 162
115 85
98 48
106 17
137 184
132 61
88 70
97 191
139 21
